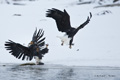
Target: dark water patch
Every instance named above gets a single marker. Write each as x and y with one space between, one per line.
108 5
21 4
58 72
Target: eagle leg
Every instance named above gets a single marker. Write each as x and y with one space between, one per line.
62 43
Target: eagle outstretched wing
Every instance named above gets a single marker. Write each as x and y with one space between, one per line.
62 19
36 39
86 22
20 51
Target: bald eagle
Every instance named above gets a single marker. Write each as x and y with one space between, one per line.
36 48
63 24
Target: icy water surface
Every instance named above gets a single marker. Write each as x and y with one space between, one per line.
57 72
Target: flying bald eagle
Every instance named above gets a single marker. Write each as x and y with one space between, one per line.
63 24
36 48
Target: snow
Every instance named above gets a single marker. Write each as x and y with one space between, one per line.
95 45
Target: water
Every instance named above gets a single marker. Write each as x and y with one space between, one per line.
57 72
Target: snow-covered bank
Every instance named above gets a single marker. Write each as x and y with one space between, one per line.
95 45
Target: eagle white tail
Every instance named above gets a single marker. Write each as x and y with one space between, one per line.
64 39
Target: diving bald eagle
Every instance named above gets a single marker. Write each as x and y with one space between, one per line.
63 24
36 48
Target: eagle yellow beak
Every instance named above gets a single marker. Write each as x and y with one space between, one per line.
31 42
47 45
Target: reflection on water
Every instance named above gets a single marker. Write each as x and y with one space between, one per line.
66 74
57 72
